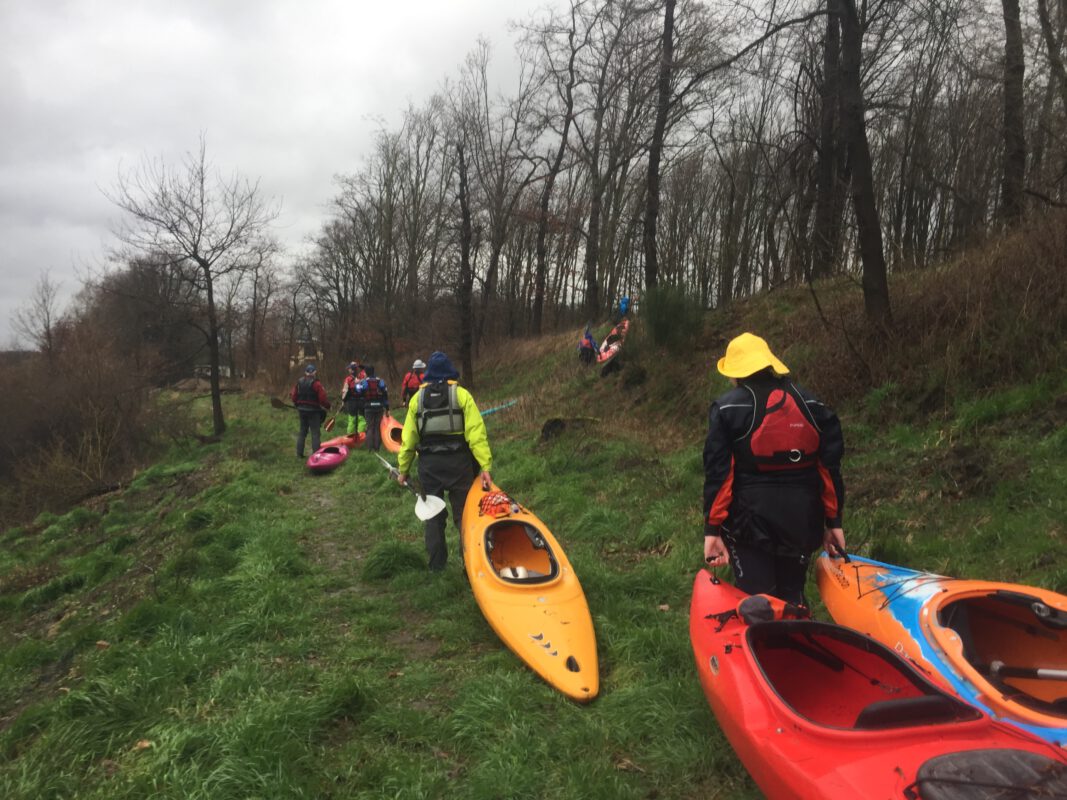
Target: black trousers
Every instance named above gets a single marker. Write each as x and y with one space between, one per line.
440 473
310 420
759 571
373 415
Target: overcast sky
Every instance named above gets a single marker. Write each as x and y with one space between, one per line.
288 92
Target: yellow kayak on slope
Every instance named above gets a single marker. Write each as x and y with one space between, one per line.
527 590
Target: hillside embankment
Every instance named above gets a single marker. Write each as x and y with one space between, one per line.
226 625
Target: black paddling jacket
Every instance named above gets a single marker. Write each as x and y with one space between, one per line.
772 466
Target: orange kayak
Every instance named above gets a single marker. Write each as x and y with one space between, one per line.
392 433
528 592
1000 646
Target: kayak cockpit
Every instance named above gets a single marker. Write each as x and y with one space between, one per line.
839 678
519 553
1015 641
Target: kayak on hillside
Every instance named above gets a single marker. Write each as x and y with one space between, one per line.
817 711
526 588
999 646
612 343
328 457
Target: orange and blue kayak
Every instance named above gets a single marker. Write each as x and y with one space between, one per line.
1000 646
526 588
817 711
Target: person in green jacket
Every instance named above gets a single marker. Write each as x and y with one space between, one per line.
446 430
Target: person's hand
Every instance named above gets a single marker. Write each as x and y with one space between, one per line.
833 542
487 480
402 479
715 552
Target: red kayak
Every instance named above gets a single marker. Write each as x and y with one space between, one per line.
819 711
392 433
327 457
351 442
612 343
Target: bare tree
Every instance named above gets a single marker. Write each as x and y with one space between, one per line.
1013 164
37 319
207 225
562 79
464 288
1053 42
854 133
655 150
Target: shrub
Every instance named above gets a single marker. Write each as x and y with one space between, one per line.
671 318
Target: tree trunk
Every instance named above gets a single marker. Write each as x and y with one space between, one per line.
655 151
1052 43
1013 169
466 274
218 421
592 252
827 186
854 133
550 181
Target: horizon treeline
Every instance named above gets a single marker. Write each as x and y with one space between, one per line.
711 150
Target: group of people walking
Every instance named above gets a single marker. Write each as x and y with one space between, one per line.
773 491
364 398
443 427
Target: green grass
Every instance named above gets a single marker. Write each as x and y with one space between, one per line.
230 627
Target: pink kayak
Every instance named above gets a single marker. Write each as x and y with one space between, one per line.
326 458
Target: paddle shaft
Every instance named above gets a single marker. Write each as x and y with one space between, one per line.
395 473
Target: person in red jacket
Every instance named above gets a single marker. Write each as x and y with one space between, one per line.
310 400
409 387
772 475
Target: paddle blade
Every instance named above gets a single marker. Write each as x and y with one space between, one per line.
428 507
274 401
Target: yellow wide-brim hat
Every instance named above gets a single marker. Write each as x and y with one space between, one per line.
746 355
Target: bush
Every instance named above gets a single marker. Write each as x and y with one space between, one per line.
672 319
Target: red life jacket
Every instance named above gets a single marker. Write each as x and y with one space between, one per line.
412 381
783 434
373 391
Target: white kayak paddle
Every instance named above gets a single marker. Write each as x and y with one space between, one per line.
427 506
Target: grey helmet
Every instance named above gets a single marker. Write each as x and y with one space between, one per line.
419 364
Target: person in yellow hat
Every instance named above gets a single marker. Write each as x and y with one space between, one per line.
772 475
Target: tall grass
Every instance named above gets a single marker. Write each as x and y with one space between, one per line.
227 627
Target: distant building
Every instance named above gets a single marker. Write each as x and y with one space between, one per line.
306 352
204 371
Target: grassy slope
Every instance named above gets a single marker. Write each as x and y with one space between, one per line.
229 626
270 634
